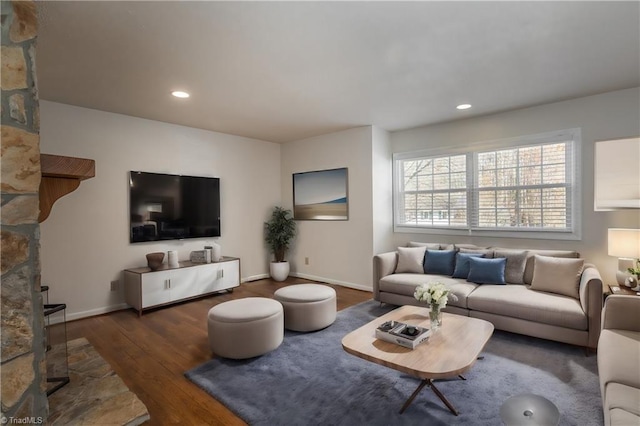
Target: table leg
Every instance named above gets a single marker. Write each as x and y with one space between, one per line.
443 399
423 383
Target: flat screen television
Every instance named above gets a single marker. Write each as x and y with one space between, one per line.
173 207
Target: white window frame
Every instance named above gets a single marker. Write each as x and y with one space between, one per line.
573 171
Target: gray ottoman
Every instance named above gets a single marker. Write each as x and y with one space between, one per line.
245 328
307 307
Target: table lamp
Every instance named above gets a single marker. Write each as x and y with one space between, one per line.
625 245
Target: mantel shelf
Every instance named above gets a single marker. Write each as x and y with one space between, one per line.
60 176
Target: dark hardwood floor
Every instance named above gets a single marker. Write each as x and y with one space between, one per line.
151 353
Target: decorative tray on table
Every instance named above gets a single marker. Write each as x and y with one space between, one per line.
402 334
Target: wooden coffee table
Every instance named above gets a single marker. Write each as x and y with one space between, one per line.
449 352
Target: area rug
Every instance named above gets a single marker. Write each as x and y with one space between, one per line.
311 380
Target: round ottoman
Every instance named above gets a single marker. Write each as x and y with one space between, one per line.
245 328
307 307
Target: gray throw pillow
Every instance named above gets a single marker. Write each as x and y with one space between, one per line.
488 253
410 260
557 275
516 262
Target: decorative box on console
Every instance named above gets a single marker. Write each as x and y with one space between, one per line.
402 334
198 256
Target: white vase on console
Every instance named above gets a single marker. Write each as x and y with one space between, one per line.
173 259
216 252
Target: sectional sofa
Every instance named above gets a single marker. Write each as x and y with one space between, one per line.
551 294
619 360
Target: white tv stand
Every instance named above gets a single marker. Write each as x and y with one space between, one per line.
146 289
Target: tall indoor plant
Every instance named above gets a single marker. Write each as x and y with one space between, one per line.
279 231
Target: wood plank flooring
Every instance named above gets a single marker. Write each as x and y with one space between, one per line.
152 353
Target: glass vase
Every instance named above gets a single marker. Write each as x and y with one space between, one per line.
435 317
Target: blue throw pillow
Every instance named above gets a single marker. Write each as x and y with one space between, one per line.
462 264
439 262
486 271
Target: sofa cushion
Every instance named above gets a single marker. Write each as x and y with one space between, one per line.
618 355
461 269
486 271
430 246
410 259
439 262
528 270
405 284
488 253
620 417
557 275
619 396
516 261
468 247
518 301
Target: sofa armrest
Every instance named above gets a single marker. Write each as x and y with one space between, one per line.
383 264
591 299
621 312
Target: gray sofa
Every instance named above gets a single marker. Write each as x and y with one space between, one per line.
619 360
518 308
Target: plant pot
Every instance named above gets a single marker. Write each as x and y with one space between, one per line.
279 270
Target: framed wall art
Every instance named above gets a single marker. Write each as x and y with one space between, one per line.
321 195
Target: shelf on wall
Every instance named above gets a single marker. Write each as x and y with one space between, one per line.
60 176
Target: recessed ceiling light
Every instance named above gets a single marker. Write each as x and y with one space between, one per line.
464 106
179 94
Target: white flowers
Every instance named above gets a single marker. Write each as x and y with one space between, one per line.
434 294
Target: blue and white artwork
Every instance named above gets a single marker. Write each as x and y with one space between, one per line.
321 195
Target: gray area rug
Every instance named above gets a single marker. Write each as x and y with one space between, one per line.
310 380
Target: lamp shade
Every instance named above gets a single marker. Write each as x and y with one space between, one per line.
624 243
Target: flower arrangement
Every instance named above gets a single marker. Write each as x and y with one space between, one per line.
635 270
434 294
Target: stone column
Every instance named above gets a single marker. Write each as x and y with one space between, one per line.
22 354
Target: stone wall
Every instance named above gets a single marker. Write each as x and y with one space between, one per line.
22 354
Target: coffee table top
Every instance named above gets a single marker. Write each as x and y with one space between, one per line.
448 352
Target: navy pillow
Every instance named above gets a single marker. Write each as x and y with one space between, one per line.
487 271
462 264
439 262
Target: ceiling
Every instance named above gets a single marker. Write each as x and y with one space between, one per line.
284 71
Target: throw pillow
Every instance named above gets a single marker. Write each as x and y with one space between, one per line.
439 262
410 259
486 271
488 253
462 264
516 261
557 275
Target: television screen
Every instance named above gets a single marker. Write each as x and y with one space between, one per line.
169 207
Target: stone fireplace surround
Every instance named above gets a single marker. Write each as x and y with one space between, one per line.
22 354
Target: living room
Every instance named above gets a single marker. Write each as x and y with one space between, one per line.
84 244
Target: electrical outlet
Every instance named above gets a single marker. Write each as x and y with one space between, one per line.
306 260
115 285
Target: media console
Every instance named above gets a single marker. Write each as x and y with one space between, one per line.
146 289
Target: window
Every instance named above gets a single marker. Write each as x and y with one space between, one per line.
516 188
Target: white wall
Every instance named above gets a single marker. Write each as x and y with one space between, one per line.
606 116
382 191
85 240
339 252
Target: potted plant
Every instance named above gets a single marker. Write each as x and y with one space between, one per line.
279 231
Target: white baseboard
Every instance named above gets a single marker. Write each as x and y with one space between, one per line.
254 278
56 319
332 281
